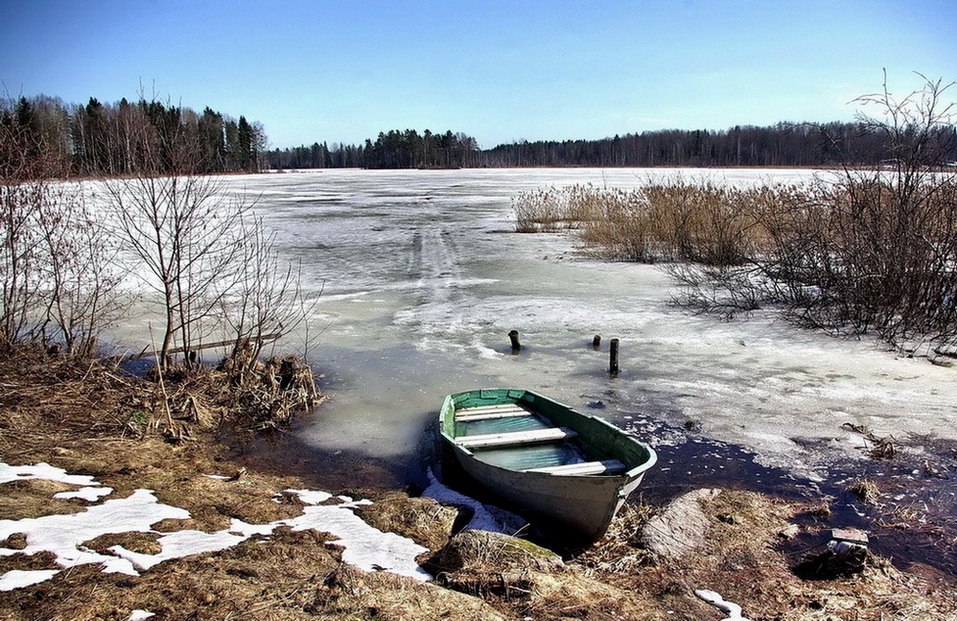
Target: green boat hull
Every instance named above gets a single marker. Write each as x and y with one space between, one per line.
515 456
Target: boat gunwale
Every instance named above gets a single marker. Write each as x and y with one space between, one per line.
624 477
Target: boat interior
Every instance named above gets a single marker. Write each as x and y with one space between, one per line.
513 436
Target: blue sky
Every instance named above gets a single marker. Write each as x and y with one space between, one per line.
342 71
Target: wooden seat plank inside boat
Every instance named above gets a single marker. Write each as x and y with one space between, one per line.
608 466
498 407
493 440
490 413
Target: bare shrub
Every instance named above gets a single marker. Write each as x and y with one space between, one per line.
203 252
80 277
725 291
59 282
23 189
184 235
267 301
849 256
869 250
876 250
18 257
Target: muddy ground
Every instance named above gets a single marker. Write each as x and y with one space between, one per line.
760 551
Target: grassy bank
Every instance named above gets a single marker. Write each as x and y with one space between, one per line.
89 419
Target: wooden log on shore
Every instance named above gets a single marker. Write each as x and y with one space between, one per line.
266 338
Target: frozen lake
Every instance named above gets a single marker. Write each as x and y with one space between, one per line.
422 276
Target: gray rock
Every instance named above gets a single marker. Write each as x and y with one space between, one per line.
680 528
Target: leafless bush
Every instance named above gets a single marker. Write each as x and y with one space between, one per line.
59 283
22 191
203 252
78 271
725 291
876 250
848 256
267 301
867 258
18 259
213 267
211 263
186 239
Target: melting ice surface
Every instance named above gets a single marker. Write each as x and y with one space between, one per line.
422 276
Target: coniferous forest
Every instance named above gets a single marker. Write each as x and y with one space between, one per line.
784 144
102 139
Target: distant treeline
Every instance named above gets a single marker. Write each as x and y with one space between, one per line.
784 144
102 139
393 149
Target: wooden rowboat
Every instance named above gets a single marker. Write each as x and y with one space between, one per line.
545 457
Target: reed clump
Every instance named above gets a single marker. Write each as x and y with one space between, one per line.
548 210
672 221
865 490
864 252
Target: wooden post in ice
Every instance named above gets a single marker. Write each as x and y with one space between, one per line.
516 346
596 342
613 357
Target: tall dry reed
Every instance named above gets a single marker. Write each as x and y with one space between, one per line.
863 252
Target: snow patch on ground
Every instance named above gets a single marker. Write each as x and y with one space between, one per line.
18 578
729 608
484 517
91 494
63 535
42 471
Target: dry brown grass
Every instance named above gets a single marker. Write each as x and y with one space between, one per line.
46 398
865 490
349 593
523 580
672 221
423 520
